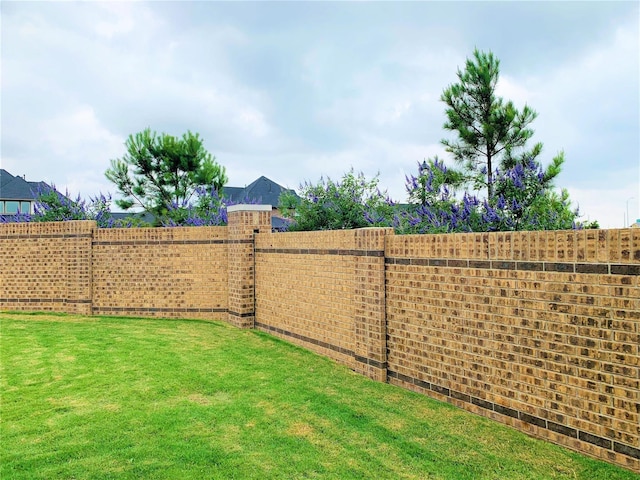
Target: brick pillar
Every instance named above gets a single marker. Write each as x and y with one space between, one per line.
78 239
370 350
243 222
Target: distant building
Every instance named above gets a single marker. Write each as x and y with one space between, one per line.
262 191
17 195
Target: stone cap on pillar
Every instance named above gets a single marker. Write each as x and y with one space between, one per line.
247 207
244 220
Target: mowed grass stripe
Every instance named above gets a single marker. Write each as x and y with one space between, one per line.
98 398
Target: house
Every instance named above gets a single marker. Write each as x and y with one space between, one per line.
17 195
262 191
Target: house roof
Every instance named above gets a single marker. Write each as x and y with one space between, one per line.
233 192
17 188
279 224
264 191
144 216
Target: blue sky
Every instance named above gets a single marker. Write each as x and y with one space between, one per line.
294 91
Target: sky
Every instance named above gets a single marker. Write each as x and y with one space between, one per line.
299 90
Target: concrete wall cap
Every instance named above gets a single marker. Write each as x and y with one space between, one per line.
248 208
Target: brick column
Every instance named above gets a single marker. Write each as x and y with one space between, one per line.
243 222
370 349
78 239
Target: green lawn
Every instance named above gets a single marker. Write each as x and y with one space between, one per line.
136 398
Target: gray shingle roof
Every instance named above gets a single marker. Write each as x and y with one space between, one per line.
17 188
263 191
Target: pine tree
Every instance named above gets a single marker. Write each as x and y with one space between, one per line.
490 149
161 172
488 128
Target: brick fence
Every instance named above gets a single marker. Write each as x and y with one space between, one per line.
537 330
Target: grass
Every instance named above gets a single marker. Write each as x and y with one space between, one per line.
98 398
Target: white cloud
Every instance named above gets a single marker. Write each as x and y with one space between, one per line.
78 148
121 19
251 122
518 93
581 100
609 206
295 93
78 134
392 113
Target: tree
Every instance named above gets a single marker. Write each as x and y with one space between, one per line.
490 149
488 129
353 202
161 171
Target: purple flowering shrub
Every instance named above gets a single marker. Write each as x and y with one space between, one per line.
352 202
522 201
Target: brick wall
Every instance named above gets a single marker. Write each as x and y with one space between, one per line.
74 267
306 289
325 291
538 330
161 272
46 267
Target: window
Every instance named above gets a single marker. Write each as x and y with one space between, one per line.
11 206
